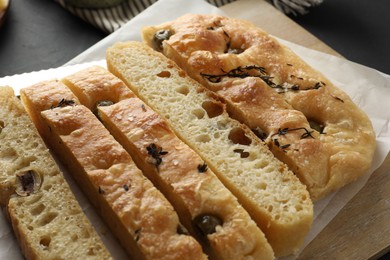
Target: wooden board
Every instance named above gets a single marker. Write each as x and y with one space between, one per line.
361 230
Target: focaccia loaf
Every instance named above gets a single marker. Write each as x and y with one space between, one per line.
46 217
136 212
274 197
206 208
308 123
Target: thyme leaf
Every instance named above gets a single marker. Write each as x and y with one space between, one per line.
260 72
202 167
284 131
63 103
156 152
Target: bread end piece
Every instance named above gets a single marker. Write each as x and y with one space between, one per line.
45 215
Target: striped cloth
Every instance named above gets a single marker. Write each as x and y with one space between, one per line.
111 19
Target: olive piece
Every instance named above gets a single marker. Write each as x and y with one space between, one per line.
207 224
104 103
101 103
317 126
235 51
28 182
159 37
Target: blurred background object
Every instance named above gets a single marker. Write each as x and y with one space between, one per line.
110 15
295 7
4 6
93 3
42 34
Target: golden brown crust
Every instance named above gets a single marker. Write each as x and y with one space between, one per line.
51 93
140 208
213 48
175 171
139 215
276 200
94 85
48 223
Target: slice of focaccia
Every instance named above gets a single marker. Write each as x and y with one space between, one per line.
46 217
308 123
136 212
274 197
206 208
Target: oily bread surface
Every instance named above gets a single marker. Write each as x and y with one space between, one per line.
175 169
271 89
136 212
272 195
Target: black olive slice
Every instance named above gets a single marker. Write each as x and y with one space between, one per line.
27 182
159 37
206 224
317 126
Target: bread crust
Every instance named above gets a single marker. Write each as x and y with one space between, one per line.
137 213
175 169
48 222
273 196
269 88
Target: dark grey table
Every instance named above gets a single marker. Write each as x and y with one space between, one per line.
39 34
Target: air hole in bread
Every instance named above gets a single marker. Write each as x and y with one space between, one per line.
298 208
34 145
203 138
47 187
91 251
37 209
8 155
199 113
45 242
47 218
74 237
31 228
318 126
260 164
164 74
237 136
213 109
261 185
183 90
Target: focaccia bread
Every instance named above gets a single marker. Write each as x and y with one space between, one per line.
206 208
274 197
47 220
308 123
136 212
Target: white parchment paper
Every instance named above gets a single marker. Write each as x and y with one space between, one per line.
369 88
